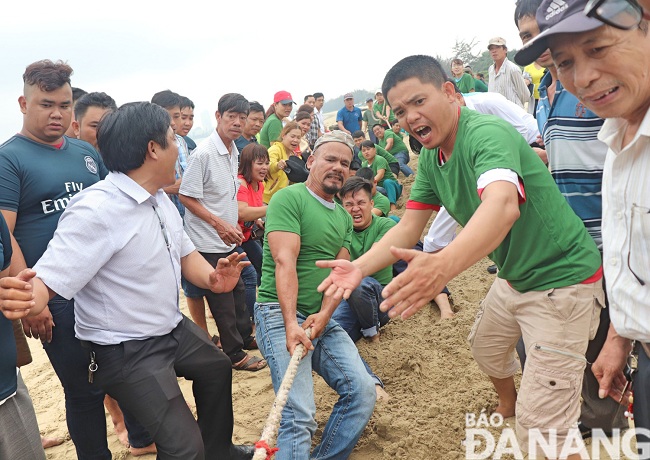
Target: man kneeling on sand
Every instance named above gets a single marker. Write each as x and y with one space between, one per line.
126 297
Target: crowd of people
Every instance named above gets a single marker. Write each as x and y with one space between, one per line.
284 226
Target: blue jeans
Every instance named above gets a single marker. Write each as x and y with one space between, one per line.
249 277
336 359
403 160
84 402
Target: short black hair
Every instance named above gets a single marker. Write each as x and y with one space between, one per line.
525 8
307 97
256 107
233 102
77 93
358 133
425 68
317 95
123 135
95 99
377 124
166 99
186 102
302 115
368 144
306 108
355 184
366 173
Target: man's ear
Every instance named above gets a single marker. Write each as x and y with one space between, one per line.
75 128
310 160
22 102
152 148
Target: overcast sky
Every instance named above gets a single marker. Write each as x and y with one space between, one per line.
203 49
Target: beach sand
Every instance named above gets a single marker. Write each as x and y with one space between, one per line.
424 362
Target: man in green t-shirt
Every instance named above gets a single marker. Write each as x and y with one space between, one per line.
304 224
549 286
395 145
383 175
359 136
464 81
381 205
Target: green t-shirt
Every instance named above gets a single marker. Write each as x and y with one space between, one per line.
382 152
377 164
382 108
271 130
548 246
362 242
323 232
398 143
480 86
370 118
382 203
465 83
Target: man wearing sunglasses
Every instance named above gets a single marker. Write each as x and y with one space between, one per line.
603 58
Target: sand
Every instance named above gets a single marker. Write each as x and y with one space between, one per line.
424 362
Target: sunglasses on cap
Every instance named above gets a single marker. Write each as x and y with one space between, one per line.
622 14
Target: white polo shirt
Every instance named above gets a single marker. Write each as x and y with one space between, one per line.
123 268
211 178
626 227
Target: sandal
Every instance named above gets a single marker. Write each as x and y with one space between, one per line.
250 363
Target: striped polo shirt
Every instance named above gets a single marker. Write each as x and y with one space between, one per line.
575 155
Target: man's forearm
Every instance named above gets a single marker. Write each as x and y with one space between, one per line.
196 270
197 209
286 277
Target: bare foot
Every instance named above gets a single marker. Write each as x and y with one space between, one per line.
381 394
442 300
374 338
51 442
138 451
446 314
505 410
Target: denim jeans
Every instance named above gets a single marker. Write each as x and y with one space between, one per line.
249 277
360 314
254 251
84 402
336 359
403 159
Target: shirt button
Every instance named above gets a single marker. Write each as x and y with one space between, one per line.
619 215
613 261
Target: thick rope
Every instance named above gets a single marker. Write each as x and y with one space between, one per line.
262 449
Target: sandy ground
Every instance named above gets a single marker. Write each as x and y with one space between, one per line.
425 363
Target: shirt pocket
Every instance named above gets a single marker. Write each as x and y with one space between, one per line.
639 243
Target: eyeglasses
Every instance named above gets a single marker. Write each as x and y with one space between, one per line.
163 227
622 14
635 210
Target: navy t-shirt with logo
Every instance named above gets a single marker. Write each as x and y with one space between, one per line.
37 182
7 344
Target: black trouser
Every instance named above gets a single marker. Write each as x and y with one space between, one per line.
641 408
231 314
142 376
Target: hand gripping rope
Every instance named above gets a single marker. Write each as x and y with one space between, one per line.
262 449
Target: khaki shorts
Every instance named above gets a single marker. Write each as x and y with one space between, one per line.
556 326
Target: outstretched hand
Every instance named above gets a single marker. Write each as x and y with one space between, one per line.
344 278
424 278
225 276
17 295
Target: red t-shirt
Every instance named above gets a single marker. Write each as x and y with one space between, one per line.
248 195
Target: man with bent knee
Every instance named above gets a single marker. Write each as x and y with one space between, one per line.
127 317
548 288
303 224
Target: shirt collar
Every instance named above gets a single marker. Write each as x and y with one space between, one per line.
614 128
221 147
131 188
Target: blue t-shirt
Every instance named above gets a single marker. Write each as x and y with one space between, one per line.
351 118
37 182
8 380
242 142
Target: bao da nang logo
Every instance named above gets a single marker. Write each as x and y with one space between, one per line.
488 437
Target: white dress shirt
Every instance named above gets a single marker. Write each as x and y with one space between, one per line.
117 250
626 227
